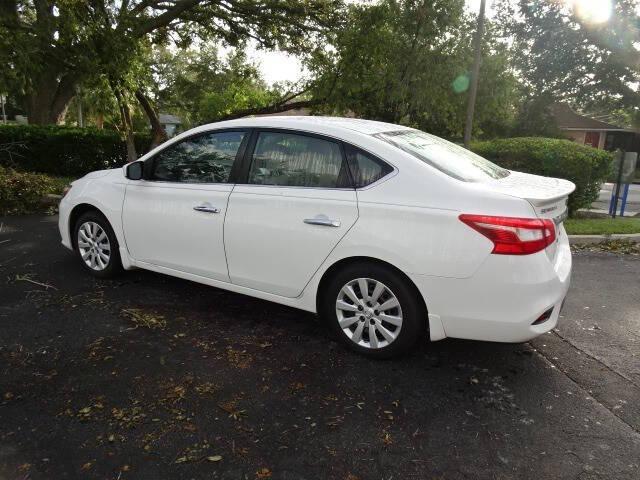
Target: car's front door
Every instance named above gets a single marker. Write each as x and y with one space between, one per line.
296 203
174 217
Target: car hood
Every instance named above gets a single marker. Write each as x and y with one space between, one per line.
100 173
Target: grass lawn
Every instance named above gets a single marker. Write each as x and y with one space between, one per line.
602 226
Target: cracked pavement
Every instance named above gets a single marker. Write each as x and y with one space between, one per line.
147 377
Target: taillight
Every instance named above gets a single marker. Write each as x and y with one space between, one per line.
513 236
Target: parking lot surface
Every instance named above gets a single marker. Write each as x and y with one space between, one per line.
151 377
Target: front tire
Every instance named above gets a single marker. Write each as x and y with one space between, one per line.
96 245
374 310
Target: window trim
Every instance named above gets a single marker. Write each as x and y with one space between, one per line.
385 165
234 168
243 178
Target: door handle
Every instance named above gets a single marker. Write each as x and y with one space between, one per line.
206 209
322 220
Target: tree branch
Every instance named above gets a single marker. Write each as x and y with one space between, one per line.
274 108
167 17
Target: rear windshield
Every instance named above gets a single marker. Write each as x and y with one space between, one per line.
447 157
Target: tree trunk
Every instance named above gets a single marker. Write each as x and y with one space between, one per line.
127 124
50 99
158 134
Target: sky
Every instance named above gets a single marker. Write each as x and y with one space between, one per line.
279 66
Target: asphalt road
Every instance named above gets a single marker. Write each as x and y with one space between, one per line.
150 377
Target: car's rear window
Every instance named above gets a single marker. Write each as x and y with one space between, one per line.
455 161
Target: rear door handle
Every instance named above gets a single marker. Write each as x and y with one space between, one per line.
322 220
206 209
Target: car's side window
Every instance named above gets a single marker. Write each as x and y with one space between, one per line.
365 168
206 158
295 160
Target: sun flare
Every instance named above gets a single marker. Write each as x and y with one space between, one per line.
593 11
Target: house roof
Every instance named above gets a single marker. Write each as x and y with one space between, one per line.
567 119
167 118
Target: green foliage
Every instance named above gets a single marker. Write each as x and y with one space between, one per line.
535 118
22 192
408 62
557 53
50 47
63 150
602 226
201 87
587 167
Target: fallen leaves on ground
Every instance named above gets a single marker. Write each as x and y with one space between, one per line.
207 388
239 358
196 453
624 247
263 473
231 407
140 318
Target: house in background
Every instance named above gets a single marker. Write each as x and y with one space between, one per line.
170 123
592 132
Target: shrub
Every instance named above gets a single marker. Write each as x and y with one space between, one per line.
22 192
63 151
585 166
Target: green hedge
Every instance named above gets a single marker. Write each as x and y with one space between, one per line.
587 167
22 192
65 151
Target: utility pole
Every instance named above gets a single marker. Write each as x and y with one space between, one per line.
475 73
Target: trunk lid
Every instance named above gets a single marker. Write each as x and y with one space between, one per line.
547 196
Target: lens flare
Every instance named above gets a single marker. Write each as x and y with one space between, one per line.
461 83
593 11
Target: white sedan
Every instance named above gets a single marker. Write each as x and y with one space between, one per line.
390 234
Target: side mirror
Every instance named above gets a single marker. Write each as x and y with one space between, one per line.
134 170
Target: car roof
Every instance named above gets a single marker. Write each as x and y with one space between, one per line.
310 123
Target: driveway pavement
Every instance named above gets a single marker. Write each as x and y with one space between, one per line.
604 198
150 377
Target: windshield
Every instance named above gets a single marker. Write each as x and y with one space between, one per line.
447 157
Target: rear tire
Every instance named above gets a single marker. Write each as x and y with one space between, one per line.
96 245
385 321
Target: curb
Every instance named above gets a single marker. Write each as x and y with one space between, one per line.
591 239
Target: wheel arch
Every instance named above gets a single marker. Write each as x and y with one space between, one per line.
76 213
343 262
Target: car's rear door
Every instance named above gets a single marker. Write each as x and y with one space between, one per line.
296 203
174 217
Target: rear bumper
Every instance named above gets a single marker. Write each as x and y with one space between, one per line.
503 299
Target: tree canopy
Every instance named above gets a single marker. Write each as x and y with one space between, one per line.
51 46
560 55
402 61
408 62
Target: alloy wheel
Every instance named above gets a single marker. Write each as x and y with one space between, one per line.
94 246
369 313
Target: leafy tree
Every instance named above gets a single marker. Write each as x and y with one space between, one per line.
202 87
240 88
560 56
51 46
408 62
